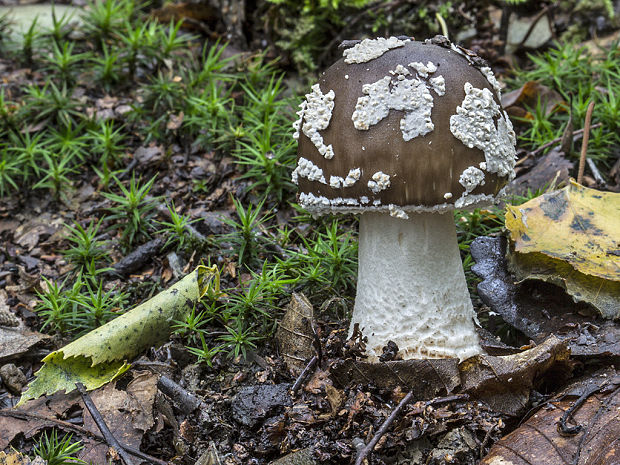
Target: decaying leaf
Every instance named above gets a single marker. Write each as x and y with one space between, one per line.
15 340
300 457
539 309
570 238
16 458
294 334
127 411
592 435
552 168
101 355
519 101
503 382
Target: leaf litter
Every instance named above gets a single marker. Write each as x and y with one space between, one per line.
330 417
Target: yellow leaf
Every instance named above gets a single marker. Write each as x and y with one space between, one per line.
101 355
570 237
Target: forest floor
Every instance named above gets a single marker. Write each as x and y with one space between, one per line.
136 146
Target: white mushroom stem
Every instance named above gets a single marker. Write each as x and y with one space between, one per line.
411 287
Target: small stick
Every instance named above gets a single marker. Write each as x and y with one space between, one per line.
184 399
584 142
566 430
597 174
576 133
105 431
386 424
304 374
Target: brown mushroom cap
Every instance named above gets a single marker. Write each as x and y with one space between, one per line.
425 171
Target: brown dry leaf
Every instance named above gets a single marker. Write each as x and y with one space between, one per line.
151 155
15 339
426 378
538 440
552 168
30 233
128 413
318 381
294 335
36 415
175 121
334 397
503 382
518 102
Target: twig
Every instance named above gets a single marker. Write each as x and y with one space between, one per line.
584 142
601 411
138 258
78 430
595 172
386 424
100 422
304 374
130 167
184 399
572 430
538 17
576 133
384 427
485 441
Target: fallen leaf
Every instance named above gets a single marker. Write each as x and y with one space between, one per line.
539 309
570 238
335 397
30 233
503 382
101 355
519 101
128 413
539 441
550 168
16 458
294 335
175 122
15 339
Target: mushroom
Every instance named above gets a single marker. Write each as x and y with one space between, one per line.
403 132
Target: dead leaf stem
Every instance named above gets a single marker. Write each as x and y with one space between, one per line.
563 428
584 142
